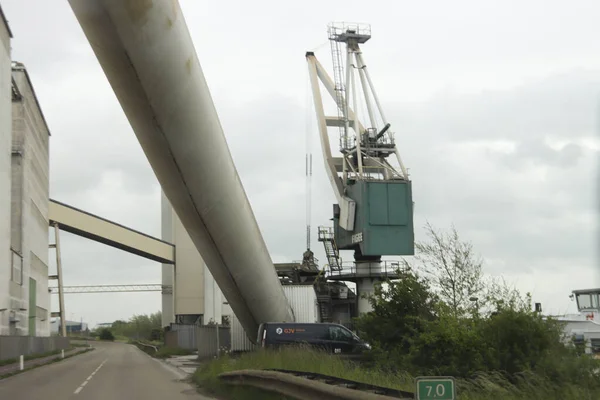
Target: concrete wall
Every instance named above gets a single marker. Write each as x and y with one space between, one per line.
188 278
5 161
14 346
29 202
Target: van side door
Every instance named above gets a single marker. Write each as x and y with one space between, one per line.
341 340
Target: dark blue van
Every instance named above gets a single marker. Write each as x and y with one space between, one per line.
333 338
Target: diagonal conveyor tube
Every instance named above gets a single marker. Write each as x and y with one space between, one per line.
147 54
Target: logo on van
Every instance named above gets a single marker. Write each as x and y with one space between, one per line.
278 331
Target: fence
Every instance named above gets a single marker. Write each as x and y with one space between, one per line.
211 339
239 339
14 346
199 337
182 335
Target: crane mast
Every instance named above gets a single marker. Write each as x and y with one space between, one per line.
374 211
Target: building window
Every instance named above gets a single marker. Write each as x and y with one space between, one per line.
16 272
587 301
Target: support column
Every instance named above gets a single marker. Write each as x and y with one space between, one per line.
368 274
168 270
61 297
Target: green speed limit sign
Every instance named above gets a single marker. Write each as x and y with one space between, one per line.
435 388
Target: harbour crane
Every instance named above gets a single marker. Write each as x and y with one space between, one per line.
374 212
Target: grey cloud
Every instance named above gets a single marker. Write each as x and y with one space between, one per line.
536 152
564 105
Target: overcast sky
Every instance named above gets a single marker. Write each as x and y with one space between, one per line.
494 104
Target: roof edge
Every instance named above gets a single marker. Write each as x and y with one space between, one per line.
5 22
18 66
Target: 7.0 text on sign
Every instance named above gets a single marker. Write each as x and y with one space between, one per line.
435 388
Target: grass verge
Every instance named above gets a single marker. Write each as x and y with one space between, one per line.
298 359
33 356
58 359
486 386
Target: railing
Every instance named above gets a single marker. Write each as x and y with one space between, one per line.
338 29
147 345
384 269
309 385
325 233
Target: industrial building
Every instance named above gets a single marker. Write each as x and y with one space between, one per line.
24 296
190 294
6 314
72 326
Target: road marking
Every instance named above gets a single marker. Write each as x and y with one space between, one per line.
80 388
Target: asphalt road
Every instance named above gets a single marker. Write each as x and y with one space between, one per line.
112 371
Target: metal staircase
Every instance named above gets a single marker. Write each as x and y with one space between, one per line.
331 251
325 307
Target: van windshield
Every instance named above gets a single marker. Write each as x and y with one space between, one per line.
339 333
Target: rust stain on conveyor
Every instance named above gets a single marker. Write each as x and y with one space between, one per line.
137 9
188 65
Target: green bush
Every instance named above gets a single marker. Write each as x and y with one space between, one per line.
411 330
106 334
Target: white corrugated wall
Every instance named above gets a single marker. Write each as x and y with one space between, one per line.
239 340
302 299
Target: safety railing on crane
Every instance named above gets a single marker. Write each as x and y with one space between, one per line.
337 29
376 173
384 269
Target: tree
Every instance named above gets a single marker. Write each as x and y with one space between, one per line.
401 309
454 269
499 295
139 326
421 324
106 334
517 340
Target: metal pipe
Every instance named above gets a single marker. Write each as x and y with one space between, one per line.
346 96
383 131
147 54
364 67
359 134
363 82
